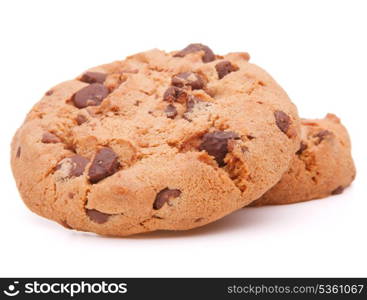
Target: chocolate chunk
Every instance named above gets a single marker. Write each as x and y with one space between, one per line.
97 216
224 68
216 144
49 92
80 163
194 80
322 135
208 53
93 77
303 146
19 150
165 195
80 119
50 138
71 166
175 94
90 95
282 120
171 111
104 164
338 190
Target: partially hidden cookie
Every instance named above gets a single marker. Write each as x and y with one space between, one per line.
322 166
159 140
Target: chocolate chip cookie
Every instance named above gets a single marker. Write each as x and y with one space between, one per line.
322 166
159 140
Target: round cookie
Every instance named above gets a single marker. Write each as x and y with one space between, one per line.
159 140
322 166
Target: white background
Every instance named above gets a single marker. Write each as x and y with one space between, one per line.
315 49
